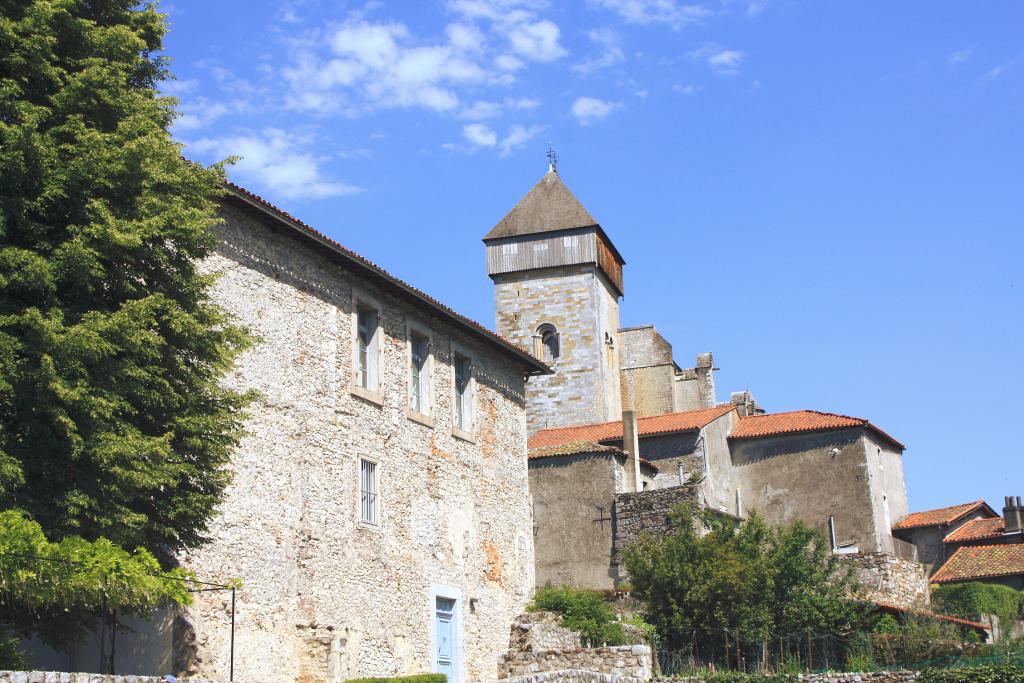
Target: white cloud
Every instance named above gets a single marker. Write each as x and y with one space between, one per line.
590 109
203 112
671 12
484 109
536 41
378 66
176 86
687 89
722 61
611 52
480 135
960 56
998 71
273 160
359 66
517 136
465 37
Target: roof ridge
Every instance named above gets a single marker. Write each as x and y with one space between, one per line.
419 293
726 408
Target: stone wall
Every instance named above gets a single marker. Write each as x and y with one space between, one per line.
541 631
583 306
831 677
326 597
891 579
645 512
631 661
66 677
571 676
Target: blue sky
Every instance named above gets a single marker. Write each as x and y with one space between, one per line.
829 196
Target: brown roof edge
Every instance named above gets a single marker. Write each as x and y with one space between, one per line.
531 364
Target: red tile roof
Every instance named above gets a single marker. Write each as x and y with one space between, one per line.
972 562
577 448
756 426
888 607
978 529
689 421
940 516
403 288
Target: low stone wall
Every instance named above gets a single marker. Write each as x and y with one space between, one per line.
66 677
870 677
541 631
630 661
572 676
891 579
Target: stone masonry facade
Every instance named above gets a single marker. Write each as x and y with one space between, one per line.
326 597
891 579
643 512
582 306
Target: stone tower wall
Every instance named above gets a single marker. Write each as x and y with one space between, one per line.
324 596
584 308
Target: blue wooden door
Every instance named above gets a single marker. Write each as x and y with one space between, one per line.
444 620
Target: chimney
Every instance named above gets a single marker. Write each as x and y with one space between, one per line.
1013 514
631 444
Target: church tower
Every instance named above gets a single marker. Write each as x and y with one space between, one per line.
557 283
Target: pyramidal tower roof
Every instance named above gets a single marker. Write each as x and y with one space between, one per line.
548 207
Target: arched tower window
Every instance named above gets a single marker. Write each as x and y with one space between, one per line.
548 346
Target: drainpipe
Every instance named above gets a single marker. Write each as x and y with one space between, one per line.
631 444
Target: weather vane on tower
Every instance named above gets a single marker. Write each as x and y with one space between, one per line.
552 160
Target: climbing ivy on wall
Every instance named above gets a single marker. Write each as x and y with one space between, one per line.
974 599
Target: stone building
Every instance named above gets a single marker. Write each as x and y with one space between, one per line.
558 282
927 530
379 515
970 542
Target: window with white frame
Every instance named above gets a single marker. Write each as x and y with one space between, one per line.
367 347
367 491
463 393
419 372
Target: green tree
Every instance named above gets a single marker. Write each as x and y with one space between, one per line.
113 423
713 580
60 591
974 599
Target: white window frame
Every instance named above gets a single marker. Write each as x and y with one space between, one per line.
373 492
467 427
425 411
374 351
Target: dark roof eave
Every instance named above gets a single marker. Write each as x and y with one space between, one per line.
531 364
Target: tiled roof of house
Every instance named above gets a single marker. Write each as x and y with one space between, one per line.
689 421
978 529
889 607
578 448
757 426
402 288
946 515
981 561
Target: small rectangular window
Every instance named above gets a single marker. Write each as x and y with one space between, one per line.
368 491
419 373
463 390
366 348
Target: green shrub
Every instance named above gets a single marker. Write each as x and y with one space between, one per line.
973 599
12 657
997 673
581 610
418 678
